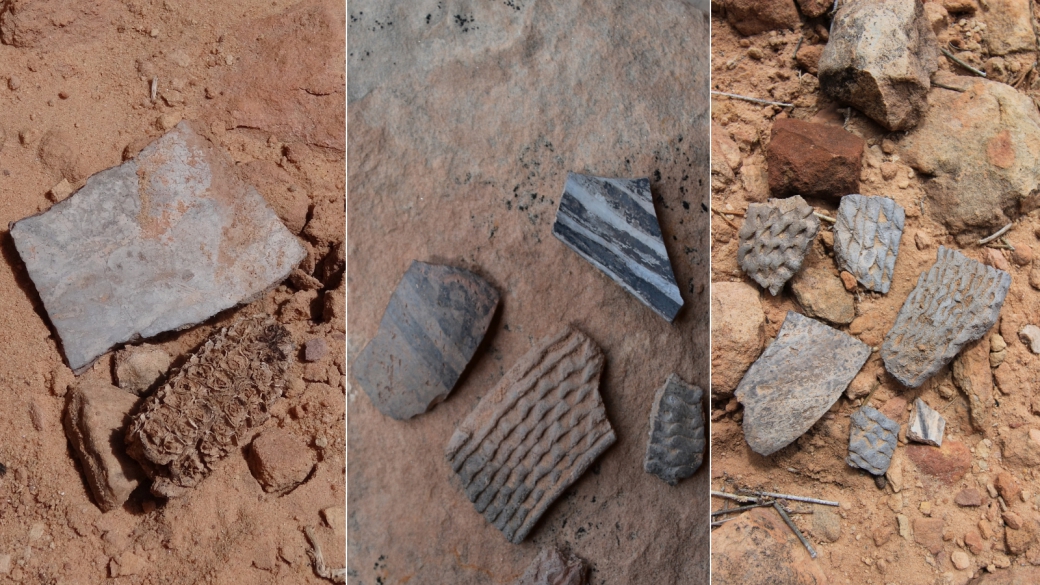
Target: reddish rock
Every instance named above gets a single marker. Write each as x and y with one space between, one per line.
948 463
1012 520
848 280
759 549
973 541
280 460
751 17
1022 448
895 408
928 533
1021 533
808 58
315 349
972 374
814 8
1007 486
968 497
996 259
1023 255
813 159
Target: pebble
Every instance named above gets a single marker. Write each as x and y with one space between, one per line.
1023 255
1030 335
315 349
960 559
848 280
1012 520
926 508
13 82
922 240
973 541
280 461
1007 487
968 497
904 526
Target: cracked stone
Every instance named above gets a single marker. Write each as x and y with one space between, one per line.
866 239
872 440
676 447
953 304
926 425
796 380
159 243
774 239
612 224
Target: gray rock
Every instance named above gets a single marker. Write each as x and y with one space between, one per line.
139 367
953 304
1030 336
774 239
96 417
676 447
926 425
534 434
436 319
159 243
553 566
796 380
612 224
879 58
866 239
872 440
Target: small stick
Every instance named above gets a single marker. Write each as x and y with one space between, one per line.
320 568
726 219
999 233
155 87
949 87
739 509
726 212
950 56
751 99
798 533
741 499
1001 246
798 46
721 522
794 498
824 217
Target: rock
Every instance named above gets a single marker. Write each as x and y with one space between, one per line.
980 152
759 549
968 497
239 371
1023 255
997 352
922 240
866 239
928 533
822 295
973 541
751 17
997 260
808 58
315 349
156 248
96 415
5 564
796 380
737 334
139 367
814 8
280 461
894 475
1009 26
55 23
817 160
612 224
336 518
303 281
549 392
1021 533
879 59
872 440
432 326
334 307
56 152
948 463
59 192
971 373
937 16
1012 520
848 280
676 446
774 239
553 566
1015 575
904 526
1007 487
14 82
927 334
1022 447
960 560
826 524
1030 336
926 424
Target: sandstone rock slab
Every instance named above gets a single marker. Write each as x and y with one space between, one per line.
737 334
774 239
612 224
534 434
96 417
796 380
866 239
139 367
280 461
759 549
553 566
806 158
432 326
953 304
926 425
872 440
212 405
159 243
676 447
879 59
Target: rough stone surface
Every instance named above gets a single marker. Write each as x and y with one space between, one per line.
810 159
280 460
751 17
879 58
554 567
822 294
866 239
971 373
872 440
612 224
759 549
774 239
796 380
826 524
968 497
159 243
1009 26
953 304
139 367
980 152
814 8
1030 335
948 463
212 405
737 334
96 416
676 446
928 533
1022 447
431 328
926 424
315 349
534 434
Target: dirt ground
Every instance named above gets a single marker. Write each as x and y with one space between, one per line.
265 81
870 548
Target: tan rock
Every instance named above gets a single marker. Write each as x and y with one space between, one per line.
140 367
280 460
737 334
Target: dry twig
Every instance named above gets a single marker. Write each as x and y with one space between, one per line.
950 56
753 100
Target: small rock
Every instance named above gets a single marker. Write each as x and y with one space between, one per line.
676 446
872 440
13 82
737 334
997 350
1012 520
894 475
972 374
774 239
805 158
814 8
926 425
925 508
1030 336
948 463
928 533
848 280
553 566
937 16
315 349
336 518
1009 27
997 260
304 281
751 17
822 295
140 367
1034 277
1007 487
1023 255
922 240
826 524
973 541
904 526
809 58
5 564
280 460
960 560
60 192
866 239
968 497
880 57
